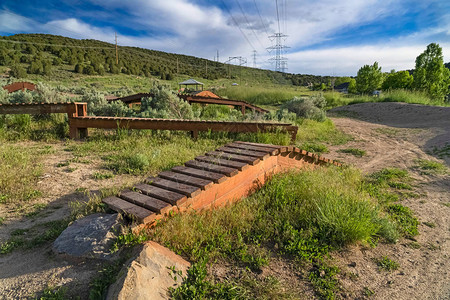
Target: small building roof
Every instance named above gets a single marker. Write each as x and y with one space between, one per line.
191 81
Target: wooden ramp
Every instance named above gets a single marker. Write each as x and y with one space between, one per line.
214 179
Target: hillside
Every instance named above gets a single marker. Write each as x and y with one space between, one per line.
63 57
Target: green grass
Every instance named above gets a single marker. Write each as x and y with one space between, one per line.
441 152
320 132
315 148
324 282
430 167
404 218
19 172
387 264
101 175
354 151
53 293
406 96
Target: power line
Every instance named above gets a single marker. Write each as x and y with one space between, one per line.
44 44
248 23
262 22
278 16
237 24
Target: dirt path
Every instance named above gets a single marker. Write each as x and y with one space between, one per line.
397 135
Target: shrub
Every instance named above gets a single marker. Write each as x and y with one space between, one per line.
308 108
165 104
17 71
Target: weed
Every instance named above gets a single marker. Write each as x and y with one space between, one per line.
368 292
429 167
432 246
54 293
354 151
404 219
2 220
324 281
197 286
441 152
321 132
390 132
400 185
429 224
315 148
63 164
93 205
100 176
387 264
446 204
414 245
19 232
105 277
36 209
70 169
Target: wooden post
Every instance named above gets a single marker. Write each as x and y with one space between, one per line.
243 109
194 134
80 110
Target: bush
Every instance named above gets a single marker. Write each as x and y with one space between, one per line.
308 108
17 71
99 106
165 104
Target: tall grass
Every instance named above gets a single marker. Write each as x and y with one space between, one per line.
263 95
311 131
293 211
406 96
19 173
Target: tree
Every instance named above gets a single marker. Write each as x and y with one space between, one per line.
398 80
369 78
430 74
352 86
17 71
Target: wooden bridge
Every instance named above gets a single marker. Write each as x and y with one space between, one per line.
79 121
136 99
211 180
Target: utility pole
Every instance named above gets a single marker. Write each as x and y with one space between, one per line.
217 55
206 68
117 53
178 70
254 58
280 61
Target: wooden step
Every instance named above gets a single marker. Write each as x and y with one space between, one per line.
216 177
142 215
212 168
251 160
180 188
162 194
258 154
145 201
223 162
204 184
271 151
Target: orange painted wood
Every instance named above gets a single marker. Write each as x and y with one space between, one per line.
182 178
162 194
216 177
227 171
180 188
145 201
141 214
235 157
223 162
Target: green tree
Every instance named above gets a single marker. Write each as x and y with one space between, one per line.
352 86
36 67
78 68
430 74
17 71
369 78
398 80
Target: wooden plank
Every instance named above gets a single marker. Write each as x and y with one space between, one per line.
254 148
258 154
180 188
279 147
36 108
141 214
215 177
145 201
223 162
204 184
251 160
162 194
212 168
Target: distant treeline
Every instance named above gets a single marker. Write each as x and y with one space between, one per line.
42 53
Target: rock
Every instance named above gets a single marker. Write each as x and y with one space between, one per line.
89 237
352 264
148 276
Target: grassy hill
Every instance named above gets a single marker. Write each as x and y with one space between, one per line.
61 59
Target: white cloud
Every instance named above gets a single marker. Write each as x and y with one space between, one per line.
11 22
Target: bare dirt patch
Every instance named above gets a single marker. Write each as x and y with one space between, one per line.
396 135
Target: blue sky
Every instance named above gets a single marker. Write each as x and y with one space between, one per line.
325 37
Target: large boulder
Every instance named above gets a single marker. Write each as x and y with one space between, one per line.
89 237
149 275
